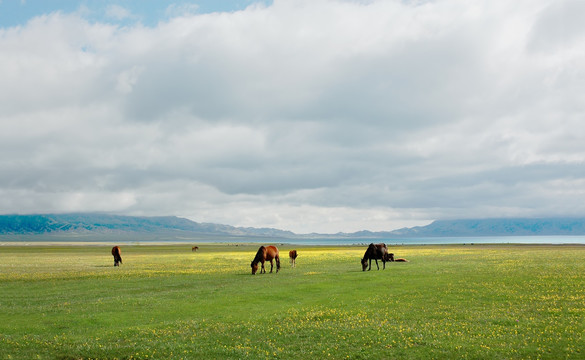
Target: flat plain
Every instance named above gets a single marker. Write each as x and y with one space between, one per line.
167 302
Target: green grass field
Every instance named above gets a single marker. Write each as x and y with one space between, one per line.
165 302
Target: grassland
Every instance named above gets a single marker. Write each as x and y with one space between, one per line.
165 302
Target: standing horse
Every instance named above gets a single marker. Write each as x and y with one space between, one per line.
267 253
117 257
195 248
377 251
293 258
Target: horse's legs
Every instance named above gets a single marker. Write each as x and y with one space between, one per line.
271 266
370 267
377 264
263 270
384 262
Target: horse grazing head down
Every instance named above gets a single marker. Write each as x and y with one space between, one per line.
254 267
375 252
117 258
364 262
264 254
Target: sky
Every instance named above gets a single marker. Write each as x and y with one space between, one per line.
303 115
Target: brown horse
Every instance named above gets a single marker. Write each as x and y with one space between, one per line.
267 253
117 257
391 258
377 251
195 248
293 257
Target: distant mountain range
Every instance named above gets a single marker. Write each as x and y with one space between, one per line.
497 227
86 226
90 225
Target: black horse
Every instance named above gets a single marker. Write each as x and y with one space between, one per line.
375 251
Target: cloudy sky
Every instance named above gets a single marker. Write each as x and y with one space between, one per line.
302 115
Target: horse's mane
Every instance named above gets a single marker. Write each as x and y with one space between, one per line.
259 254
371 248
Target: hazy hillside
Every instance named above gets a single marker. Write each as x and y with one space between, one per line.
497 227
171 227
89 223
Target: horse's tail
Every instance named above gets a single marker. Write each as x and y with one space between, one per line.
277 263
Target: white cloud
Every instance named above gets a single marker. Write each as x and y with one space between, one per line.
118 12
175 10
315 115
127 79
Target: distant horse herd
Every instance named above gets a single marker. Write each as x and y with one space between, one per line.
270 253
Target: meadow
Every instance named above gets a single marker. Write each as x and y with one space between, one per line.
166 302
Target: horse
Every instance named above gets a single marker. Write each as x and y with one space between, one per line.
391 258
267 253
195 248
117 257
293 257
377 251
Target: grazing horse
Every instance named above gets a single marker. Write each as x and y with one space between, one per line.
293 257
391 257
267 253
117 257
195 248
377 251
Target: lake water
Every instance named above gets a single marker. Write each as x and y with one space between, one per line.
307 241
395 241
446 240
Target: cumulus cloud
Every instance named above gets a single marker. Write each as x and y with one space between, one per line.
175 10
322 115
118 12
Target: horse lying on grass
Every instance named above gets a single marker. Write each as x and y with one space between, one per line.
391 257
